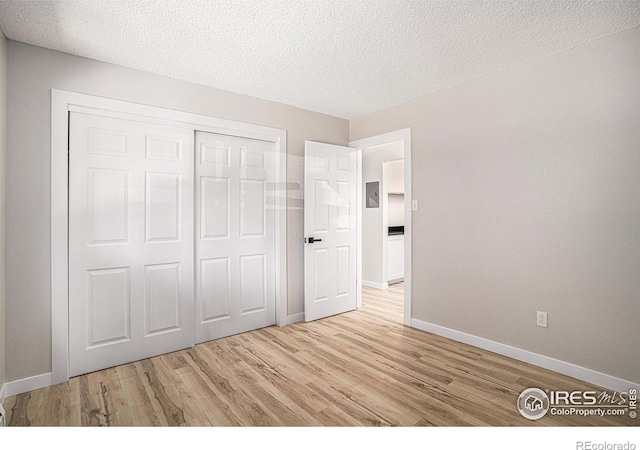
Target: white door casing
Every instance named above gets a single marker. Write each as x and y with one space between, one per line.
130 241
235 235
330 221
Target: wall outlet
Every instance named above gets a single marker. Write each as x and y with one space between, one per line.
541 319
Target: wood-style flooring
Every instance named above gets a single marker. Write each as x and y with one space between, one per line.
362 368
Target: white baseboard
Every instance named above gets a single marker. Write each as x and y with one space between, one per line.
565 368
16 387
28 384
293 318
372 284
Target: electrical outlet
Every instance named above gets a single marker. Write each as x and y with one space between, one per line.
541 319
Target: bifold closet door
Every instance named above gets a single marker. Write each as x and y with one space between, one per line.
235 235
131 275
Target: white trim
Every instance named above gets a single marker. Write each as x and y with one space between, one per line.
359 281
3 393
403 135
28 384
384 236
565 368
61 103
374 285
59 237
281 228
293 318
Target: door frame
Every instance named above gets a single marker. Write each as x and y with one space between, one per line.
64 102
403 135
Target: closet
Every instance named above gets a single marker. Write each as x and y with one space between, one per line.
171 238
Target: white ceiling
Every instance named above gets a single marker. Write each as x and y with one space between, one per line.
345 58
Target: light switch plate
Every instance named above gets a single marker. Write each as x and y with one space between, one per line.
414 205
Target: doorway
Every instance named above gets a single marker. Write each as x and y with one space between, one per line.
400 144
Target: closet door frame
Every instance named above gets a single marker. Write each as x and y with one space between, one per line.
64 102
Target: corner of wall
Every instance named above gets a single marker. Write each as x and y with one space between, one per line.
3 142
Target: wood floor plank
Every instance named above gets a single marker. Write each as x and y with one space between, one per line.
338 395
362 368
38 409
183 397
173 414
218 412
90 407
19 416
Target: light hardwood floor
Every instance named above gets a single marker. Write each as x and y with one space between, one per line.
363 368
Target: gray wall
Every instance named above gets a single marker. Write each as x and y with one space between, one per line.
529 189
3 152
32 72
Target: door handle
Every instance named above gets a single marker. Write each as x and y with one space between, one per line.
311 240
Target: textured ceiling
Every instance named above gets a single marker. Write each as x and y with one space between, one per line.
345 58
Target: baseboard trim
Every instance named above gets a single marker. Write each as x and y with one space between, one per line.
293 318
374 285
565 368
28 384
16 387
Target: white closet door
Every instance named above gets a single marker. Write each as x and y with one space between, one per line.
130 241
235 230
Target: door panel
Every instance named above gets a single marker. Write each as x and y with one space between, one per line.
108 206
330 219
108 306
215 279
214 221
235 250
162 201
130 241
162 298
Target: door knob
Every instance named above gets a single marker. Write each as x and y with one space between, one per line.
311 240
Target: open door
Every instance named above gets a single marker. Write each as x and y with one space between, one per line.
330 230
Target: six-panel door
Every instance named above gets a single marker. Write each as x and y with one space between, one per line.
330 219
235 235
131 273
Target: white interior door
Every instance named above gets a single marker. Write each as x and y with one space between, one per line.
330 230
130 241
235 229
